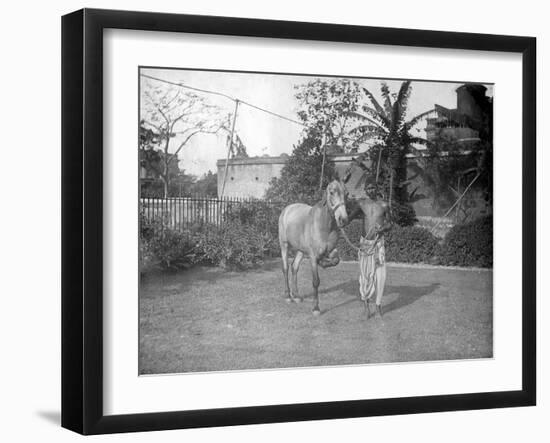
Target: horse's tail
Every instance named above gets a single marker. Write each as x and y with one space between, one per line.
282 236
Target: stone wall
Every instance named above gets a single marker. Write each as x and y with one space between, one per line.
250 177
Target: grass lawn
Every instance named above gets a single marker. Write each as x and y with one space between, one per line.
208 319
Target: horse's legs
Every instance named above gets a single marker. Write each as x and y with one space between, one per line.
295 267
315 275
284 255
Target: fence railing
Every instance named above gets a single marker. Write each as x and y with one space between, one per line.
185 212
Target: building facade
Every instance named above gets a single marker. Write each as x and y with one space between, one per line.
250 176
461 124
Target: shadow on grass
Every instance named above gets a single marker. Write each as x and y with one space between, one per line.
406 295
201 274
339 305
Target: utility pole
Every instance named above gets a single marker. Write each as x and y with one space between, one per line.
229 147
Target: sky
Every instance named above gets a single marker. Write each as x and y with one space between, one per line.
263 133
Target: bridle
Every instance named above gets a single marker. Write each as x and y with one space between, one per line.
333 210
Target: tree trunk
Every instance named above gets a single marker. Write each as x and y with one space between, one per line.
165 176
402 209
400 190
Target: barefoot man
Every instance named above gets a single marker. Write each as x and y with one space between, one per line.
372 260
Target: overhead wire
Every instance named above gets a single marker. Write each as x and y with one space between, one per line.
221 94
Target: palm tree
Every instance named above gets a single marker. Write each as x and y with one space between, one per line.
387 125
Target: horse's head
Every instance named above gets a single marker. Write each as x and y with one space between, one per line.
336 200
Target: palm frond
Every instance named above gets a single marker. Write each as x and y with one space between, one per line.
373 113
379 109
386 95
363 117
400 104
367 130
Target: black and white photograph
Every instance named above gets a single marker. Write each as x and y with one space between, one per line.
298 221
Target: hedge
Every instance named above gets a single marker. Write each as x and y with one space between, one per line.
407 244
469 244
249 235
161 246
233 246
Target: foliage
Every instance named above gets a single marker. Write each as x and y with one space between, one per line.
152 159
173 249
234 246
152 185
448 165
403 214
246 237
174 114
326 106
386 124
469 244
299 179
354 231
261 214
206 185
165 247
411 244
249 235
406 244
148 138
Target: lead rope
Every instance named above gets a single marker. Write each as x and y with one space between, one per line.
348 241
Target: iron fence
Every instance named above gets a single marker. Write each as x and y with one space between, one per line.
183 213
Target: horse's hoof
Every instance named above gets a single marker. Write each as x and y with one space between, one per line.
316 312
288 300
298 299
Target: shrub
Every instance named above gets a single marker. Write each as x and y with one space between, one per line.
146 227
172 249
263 215
406 244
469 244
411 244
234 246
260 216
165 247
403 214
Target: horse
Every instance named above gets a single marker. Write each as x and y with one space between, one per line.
312 231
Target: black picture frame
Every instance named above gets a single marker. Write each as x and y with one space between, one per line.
82 215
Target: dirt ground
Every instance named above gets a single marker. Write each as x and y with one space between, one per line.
207 319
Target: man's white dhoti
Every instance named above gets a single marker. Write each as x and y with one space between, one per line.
372 268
